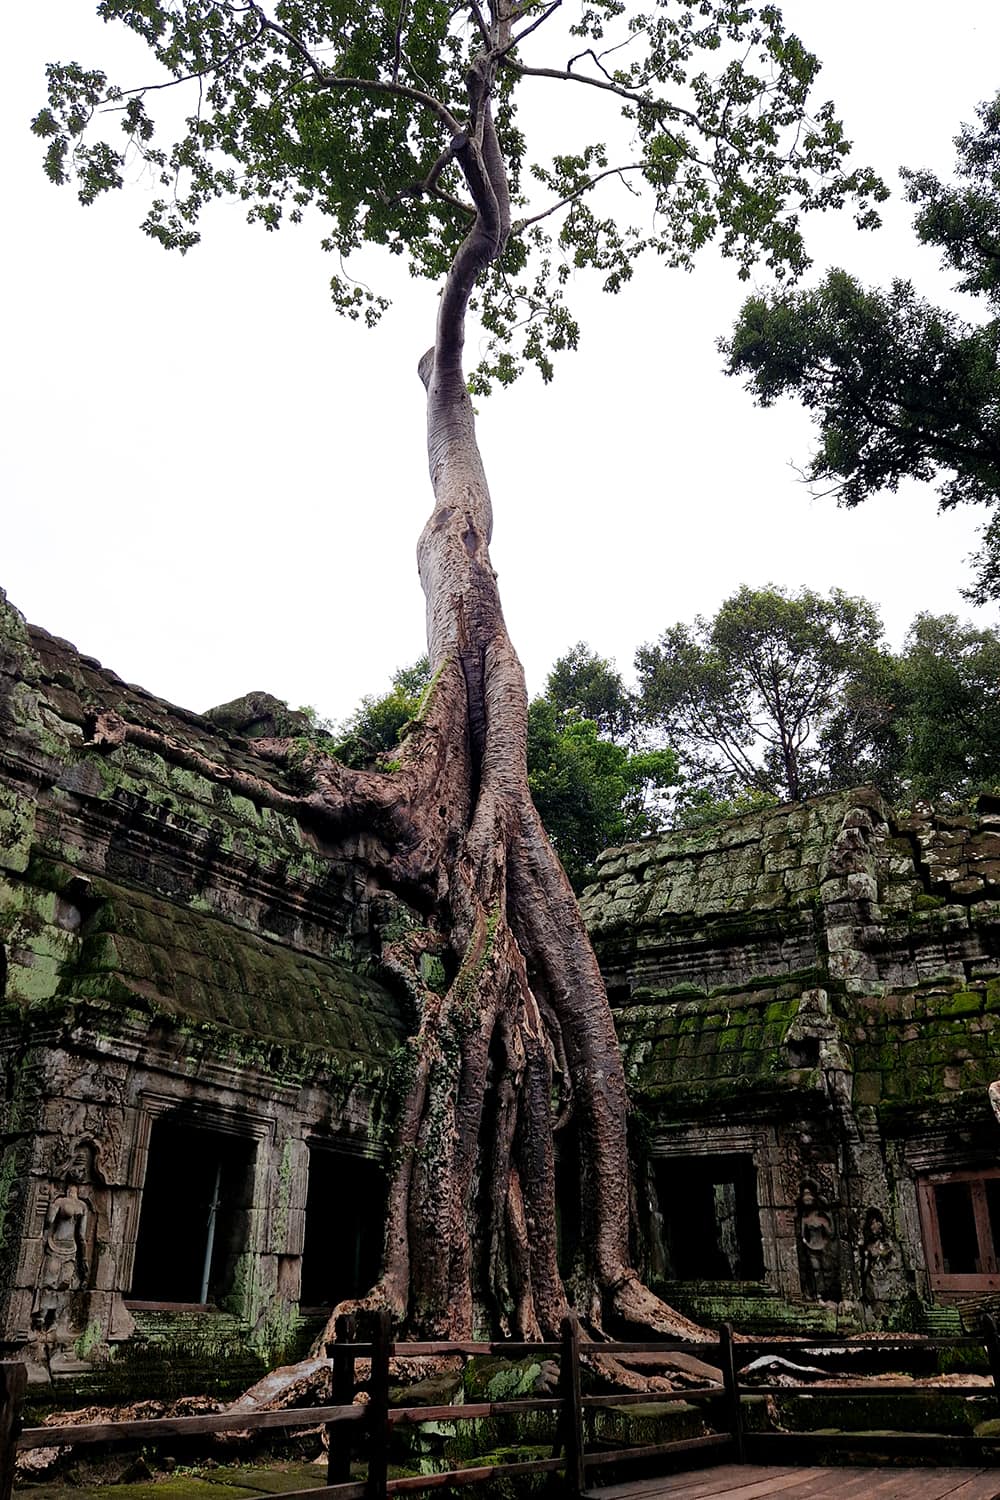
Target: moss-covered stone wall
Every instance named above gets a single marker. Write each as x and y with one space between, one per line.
819 983
178 940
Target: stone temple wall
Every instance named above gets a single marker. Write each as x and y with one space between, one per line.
198 1044
817 991
192 1025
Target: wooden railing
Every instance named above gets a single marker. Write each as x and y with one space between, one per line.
804 1446
371 1425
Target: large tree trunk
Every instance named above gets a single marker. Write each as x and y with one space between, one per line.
521 1043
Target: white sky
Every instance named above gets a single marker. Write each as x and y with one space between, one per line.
213 484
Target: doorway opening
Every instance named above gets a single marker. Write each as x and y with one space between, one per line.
345 1221
194 1221
711 1218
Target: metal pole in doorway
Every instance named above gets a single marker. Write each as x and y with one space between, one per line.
213 1209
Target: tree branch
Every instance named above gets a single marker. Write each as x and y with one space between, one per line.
367 85
565 75
522 224
539 21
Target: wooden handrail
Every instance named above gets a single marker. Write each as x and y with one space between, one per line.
179 1427
379 1418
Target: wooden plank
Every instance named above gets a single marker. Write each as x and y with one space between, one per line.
689 1485
469 1476
658 1450
338 1439
895 1484
870 1390
571 1425
734 1410
980 1486
732 1482
753 1482
750 1487
378 1408
182 1427
641 1398
864 1484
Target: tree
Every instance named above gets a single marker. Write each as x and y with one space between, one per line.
399 125
589 686
378 724
899 388
591 792
745 697
949 708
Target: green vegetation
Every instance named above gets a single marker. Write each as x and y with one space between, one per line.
898 388
779 697
745 698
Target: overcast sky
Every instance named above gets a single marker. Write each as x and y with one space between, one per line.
213 484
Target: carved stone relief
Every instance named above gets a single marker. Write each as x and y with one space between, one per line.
880 1264
819 1255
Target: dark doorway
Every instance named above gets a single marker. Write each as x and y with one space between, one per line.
345 1222
195 1205
711 1219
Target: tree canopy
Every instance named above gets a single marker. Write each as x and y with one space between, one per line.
745 697
899 388
588 686
364 112
940 699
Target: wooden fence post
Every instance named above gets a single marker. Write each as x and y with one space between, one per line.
13 1380
992 1341
734 1410
378 1407
338 1434
572 1407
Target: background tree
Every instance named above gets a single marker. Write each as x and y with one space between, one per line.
592 792
898 388
399 125
745 697
377 725
589 686
948 718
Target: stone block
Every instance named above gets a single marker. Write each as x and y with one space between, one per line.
17 829
843 939
862 887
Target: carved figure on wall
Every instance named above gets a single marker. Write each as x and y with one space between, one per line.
993 1093
817 1243
64 1268
881 1268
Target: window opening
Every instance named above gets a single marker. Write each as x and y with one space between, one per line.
957 1224
960 1218
345 1222
711 1218
194 1219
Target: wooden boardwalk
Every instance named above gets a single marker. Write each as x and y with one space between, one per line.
756 1482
